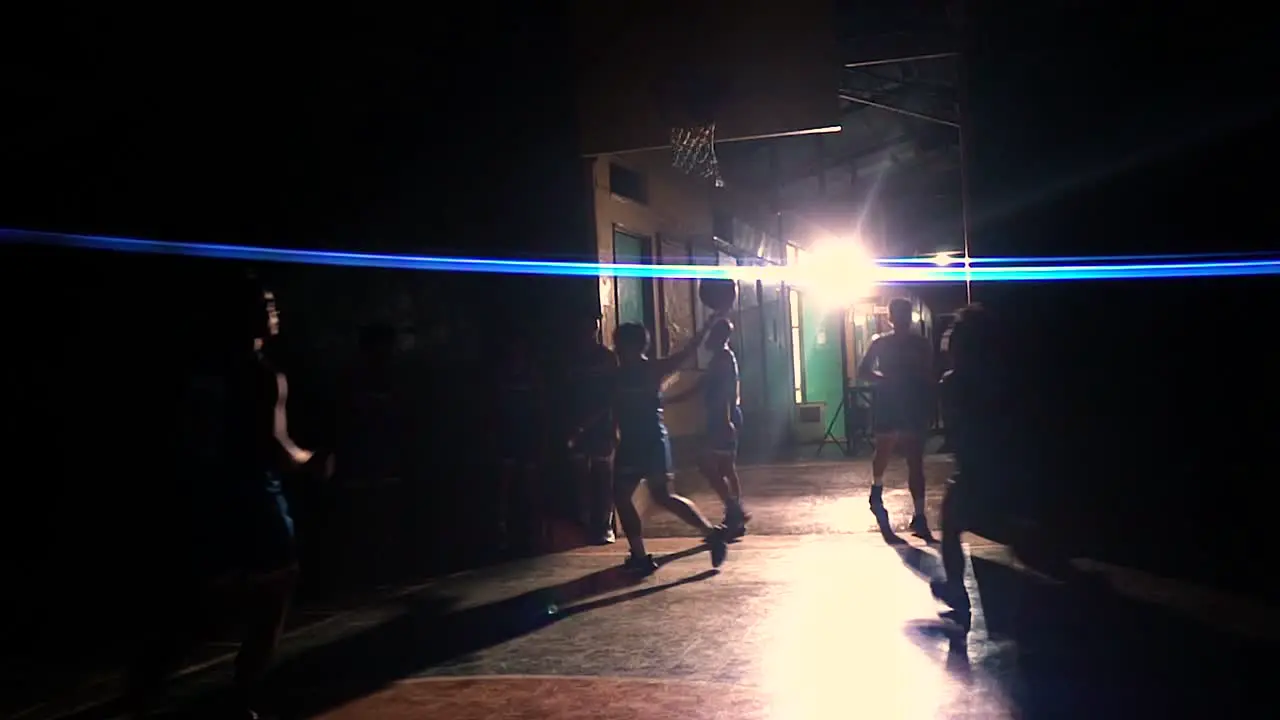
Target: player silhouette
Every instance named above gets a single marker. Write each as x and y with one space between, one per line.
644 447
232 445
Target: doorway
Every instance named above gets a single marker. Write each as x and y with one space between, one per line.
635 296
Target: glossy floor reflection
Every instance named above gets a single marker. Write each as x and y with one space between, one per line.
817 628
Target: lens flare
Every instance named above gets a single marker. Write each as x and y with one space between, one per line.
835 274
845 270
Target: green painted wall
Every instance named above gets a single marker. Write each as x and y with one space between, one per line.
823 360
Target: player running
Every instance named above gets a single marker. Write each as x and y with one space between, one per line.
900 364
720 389
644 447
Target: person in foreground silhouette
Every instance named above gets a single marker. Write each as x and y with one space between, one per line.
900 364
233 442
644 447
970 396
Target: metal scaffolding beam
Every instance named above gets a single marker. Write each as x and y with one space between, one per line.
908 58
900 111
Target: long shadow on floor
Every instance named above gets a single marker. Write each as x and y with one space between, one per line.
1085 650
429 630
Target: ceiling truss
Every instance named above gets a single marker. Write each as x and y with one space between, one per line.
900 114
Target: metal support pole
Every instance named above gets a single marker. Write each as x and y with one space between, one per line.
961 110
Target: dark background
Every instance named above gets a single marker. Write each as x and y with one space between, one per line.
1145 412
446 132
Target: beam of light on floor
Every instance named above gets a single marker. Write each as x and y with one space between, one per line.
892 271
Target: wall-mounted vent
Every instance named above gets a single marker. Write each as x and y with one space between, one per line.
810 422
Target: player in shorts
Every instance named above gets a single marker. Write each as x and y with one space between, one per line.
900 364
644 448
720 390
233 443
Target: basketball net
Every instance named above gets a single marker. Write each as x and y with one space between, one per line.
693 151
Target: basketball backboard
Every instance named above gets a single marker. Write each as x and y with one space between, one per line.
756 68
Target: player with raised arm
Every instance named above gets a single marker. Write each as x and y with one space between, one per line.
644 447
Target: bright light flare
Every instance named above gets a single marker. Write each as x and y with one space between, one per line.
836 273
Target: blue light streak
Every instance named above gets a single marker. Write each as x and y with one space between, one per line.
890 270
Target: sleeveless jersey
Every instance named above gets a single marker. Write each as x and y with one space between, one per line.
638 404
224 429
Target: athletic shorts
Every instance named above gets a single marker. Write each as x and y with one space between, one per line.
720 440
250 532
896 412
646 459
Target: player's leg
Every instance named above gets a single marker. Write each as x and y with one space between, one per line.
710 467
736 515
950 589
886 443
270 562
717 536
266 604
624 488
913 448
660 487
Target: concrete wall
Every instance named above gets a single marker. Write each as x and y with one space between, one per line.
677 217
677 221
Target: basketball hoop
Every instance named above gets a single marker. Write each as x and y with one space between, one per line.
691 99
693 151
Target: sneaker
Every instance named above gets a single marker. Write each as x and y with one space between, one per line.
718 541
605 538
641 565
735 521
920 527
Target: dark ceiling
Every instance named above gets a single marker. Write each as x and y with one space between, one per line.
892 173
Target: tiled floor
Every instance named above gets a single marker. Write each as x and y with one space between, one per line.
795 627
811 617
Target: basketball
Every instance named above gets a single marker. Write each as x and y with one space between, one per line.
718 294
